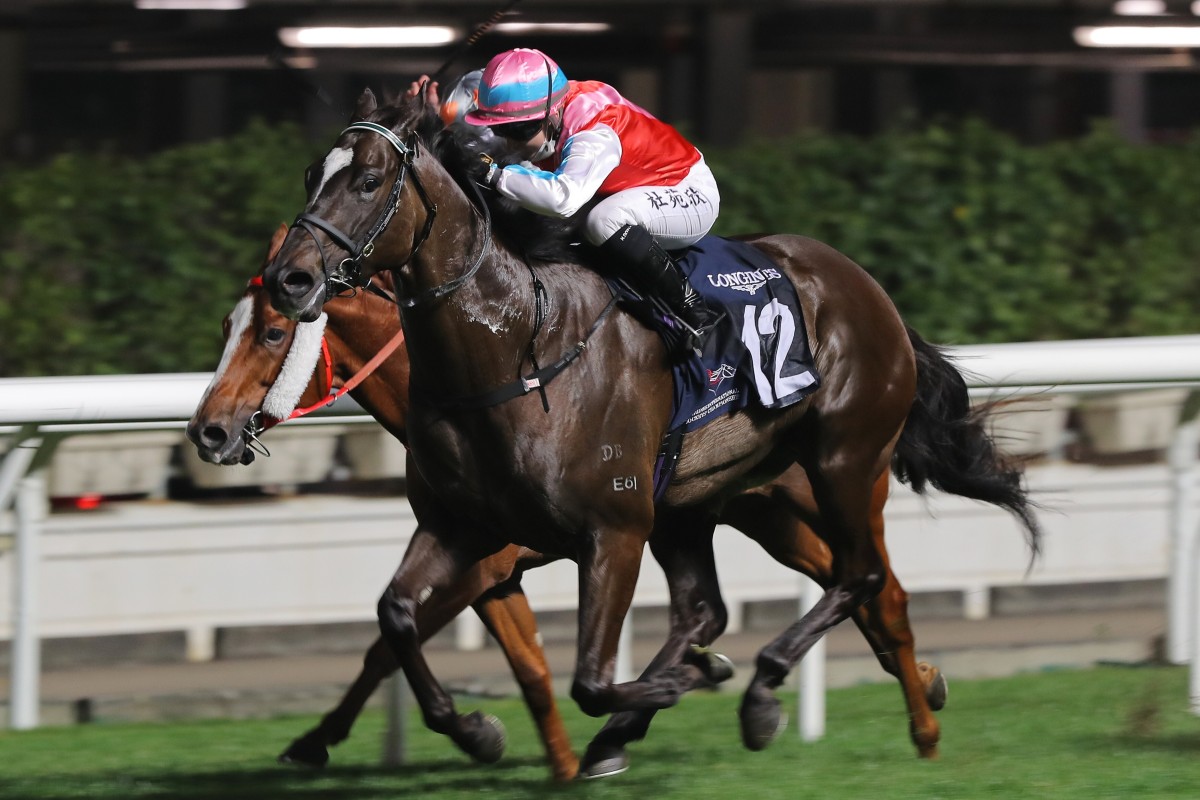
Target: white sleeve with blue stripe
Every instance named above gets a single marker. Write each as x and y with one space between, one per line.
587 159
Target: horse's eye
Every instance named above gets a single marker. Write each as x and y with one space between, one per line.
274 335
310 178
370 183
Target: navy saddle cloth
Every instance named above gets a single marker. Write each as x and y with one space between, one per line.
758 351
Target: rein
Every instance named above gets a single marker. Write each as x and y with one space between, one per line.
352 384
444 289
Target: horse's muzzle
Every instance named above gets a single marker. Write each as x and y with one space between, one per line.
216 446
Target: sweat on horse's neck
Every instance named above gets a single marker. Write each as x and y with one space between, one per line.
487 323
461 246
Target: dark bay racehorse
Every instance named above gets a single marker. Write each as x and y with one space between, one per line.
357 329
479 317
258 342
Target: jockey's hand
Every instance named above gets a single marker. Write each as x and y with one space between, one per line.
483 170
429 87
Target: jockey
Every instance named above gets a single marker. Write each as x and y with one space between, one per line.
586 141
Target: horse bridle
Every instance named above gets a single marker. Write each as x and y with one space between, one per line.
347 275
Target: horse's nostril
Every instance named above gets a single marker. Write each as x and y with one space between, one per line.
213 436
297 282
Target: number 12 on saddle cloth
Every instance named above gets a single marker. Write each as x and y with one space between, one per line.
758 351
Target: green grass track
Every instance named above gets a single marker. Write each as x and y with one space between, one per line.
1111 732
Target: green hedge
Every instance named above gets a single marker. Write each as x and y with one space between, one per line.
981 239
118 265
115 265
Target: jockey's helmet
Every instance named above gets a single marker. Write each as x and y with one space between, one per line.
517 86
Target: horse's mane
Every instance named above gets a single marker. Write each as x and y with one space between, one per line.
534 236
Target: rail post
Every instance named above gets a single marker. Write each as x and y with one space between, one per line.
31 505
1181 594
395 738
810 704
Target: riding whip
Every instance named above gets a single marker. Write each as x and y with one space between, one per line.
276 58
475 36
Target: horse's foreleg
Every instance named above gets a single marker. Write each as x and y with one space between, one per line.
698 616
379 663
506 613
608 573
428 567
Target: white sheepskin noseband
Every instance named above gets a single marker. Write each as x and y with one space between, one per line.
297 369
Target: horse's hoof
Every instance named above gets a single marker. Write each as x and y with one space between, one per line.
305 752
762 720
603 762
936 687
485 737
716 667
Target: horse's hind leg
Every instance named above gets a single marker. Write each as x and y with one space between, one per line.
682 545
842 479
884 623
783 518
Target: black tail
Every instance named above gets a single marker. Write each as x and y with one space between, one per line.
945 444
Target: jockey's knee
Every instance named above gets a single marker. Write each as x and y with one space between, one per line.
601 224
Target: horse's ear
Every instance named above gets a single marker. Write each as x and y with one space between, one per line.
366 104
276 243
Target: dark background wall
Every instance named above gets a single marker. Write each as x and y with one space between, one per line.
104 73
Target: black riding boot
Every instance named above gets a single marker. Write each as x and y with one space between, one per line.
642 261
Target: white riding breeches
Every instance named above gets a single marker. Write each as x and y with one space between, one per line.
677 215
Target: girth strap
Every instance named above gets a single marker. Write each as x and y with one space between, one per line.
668 459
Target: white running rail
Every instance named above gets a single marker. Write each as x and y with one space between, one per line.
37 412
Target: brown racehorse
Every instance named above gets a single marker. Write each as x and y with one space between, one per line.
777 515
521 459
